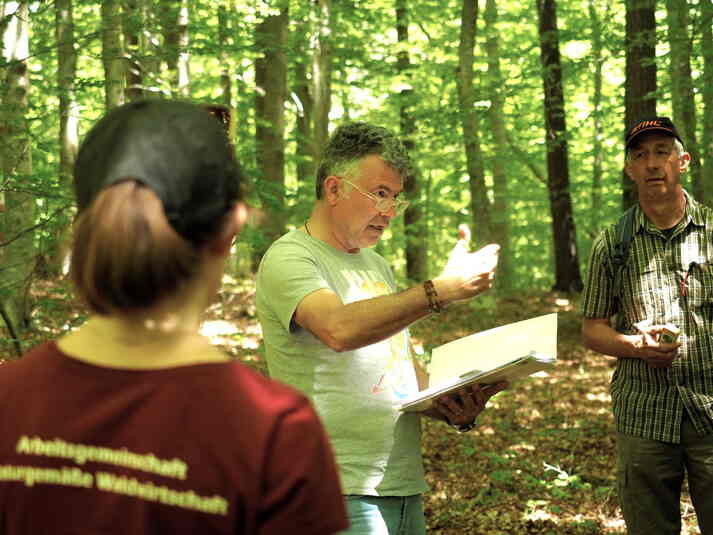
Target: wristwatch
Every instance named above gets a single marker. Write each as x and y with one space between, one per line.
464 428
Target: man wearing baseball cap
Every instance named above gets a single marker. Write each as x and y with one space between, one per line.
653 271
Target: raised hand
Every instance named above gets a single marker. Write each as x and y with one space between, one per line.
466 273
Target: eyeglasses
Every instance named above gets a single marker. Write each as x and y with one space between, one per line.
382 204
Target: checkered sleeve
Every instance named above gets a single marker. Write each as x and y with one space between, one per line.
598 301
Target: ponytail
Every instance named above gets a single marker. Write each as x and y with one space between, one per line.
125 254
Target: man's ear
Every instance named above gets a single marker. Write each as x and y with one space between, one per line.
331 189
684 162
626 170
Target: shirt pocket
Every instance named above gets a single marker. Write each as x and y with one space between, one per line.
699 286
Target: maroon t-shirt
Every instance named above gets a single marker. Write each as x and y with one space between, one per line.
205 448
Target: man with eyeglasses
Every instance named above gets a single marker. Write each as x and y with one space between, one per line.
335 327
662 388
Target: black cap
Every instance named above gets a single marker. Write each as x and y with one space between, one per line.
177 149
662 125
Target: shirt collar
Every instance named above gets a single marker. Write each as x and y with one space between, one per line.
694 211
692 214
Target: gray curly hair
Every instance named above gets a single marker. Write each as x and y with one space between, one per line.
353 141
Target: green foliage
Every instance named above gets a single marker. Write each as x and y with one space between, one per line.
364 87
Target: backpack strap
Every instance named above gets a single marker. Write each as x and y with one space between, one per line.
623 236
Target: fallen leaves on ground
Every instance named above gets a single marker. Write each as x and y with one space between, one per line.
541 460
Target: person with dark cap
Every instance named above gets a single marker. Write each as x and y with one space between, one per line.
336 327
648 301
134 423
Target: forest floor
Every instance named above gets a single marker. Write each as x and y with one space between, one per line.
541 460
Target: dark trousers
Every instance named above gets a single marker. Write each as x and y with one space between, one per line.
650 475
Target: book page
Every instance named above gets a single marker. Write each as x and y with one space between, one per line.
488 349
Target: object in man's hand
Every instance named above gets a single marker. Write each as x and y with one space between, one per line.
669 334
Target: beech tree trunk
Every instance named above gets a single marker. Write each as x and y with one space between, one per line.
17 208
322 71
112 54
305 147
597 120
496 114
414 221
682 95
479 204
175 38
132 26
567 273
271 91
66 72
640 85
151 48
224 54
53 252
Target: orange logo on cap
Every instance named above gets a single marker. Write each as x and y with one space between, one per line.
646 124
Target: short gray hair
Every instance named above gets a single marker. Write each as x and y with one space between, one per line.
353 141
678 146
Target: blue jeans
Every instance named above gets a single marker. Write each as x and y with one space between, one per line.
385 515
650 475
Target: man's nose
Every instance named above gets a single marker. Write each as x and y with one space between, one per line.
390 212
653 161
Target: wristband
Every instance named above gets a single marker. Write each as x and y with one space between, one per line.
432 296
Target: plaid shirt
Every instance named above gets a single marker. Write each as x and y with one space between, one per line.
668 278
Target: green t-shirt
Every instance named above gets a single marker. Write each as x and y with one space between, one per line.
356 393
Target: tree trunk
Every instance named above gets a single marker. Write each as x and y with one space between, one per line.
305 148
226 87
322 71
707 93
597 120
4 21
151 48
112 54
567 274
682 95
640 84
479 204
132 25
416 263
17 208
68 125
496 114
175 38
271 85
66 72
183 88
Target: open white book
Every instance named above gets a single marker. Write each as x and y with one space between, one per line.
505 353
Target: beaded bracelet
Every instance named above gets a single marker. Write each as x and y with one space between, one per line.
433 303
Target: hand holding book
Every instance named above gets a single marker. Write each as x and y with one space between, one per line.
505 353
464 405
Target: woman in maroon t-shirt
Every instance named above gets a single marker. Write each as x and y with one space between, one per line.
134 423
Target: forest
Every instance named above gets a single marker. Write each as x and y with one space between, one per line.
514 112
